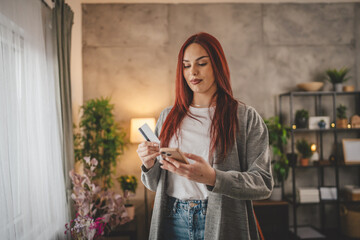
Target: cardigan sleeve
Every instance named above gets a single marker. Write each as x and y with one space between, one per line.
150 177
256 181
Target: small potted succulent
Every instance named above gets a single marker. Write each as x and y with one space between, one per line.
304 150
337 78
322 124
341 121
128 184
301 118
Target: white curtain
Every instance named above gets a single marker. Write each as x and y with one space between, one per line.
32 191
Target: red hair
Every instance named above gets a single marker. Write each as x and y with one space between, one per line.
224 123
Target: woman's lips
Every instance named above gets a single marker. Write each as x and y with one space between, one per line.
195 81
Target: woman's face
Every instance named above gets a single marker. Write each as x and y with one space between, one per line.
198 71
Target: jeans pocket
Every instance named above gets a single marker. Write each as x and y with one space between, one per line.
203 211
171 209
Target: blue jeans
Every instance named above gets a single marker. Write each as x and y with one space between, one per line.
185 219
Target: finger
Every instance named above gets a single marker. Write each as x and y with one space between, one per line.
151 157
174 162
194 157
148 148
147 153
147 143
168 166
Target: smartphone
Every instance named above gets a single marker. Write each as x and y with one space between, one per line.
174 153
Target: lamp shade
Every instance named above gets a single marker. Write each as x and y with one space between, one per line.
136 123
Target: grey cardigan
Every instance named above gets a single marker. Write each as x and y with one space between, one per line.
243 176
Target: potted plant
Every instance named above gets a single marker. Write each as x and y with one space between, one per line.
128 184
322 124
278 135
304 149
341 121
337 78
301 118
98 211
99 137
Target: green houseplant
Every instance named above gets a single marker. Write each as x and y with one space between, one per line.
301 118
337 77
278 135
341 121
99 137
304 149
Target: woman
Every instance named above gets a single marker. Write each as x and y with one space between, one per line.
226 143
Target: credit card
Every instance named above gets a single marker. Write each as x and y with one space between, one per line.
148 134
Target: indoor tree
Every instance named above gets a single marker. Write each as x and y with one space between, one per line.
99 137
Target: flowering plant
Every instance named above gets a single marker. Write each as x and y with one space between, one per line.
98 210
85 226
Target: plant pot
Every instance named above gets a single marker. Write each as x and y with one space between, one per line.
130 210
301 122
338 87
276 194
304 162
341 123
292 157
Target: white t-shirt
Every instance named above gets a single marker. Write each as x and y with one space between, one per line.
194 137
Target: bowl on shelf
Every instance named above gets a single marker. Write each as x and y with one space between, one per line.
310 86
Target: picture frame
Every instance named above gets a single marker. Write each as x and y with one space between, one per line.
314 120
351 150
328 193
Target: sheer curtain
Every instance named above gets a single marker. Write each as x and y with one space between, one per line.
32 191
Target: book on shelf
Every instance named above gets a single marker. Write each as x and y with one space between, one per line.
308 195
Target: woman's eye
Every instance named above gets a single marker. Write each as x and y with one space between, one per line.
186 66
202 64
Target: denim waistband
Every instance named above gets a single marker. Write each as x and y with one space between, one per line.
187 204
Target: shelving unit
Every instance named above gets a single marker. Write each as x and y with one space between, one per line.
318 103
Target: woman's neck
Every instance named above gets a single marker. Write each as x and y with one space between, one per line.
202 101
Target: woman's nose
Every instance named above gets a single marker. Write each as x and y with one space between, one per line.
194 71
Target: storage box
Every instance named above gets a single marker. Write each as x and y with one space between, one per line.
308 195
352 193
350 219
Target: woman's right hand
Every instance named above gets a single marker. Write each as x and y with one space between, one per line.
148 151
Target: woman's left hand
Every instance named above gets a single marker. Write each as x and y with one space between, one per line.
199 171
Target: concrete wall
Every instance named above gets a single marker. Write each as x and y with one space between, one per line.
130 53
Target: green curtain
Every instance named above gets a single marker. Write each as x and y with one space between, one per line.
63 20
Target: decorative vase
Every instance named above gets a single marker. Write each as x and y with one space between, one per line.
130 211
301 122
338 87
276 194
304 162
341 123
322 124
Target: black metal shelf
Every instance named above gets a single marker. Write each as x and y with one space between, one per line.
297 204
318 93
325 166
320 134
330 234
330 130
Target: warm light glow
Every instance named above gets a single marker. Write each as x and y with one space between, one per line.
349 125
313 147
332 125
294 126
135 135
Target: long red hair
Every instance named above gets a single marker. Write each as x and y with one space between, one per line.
224 123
